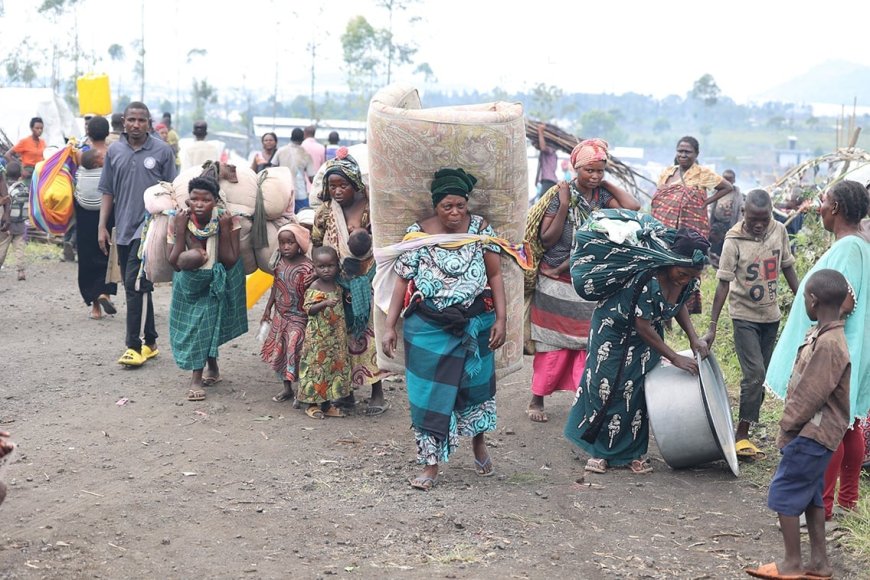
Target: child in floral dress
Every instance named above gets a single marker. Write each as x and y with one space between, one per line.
293 272
325 369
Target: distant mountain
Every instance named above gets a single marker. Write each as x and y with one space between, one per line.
835 81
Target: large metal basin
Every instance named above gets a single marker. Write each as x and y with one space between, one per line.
690 416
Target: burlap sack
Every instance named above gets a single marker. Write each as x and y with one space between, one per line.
278 192
246 249
159 197
407 144
240 197
262 255
154 256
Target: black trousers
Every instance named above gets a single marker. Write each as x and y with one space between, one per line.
92 261
128 259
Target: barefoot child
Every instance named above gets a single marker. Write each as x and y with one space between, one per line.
324 372
208 287
756 249
814 420
293 272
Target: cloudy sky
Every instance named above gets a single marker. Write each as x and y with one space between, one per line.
645 46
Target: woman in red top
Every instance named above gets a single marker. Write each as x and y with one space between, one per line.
29 149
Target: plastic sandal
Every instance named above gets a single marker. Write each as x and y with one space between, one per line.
314 412
422 482
106 304
596 465
148 352
131 358
333 411
640 466
481 467
196 395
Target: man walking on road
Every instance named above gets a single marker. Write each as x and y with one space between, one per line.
134 163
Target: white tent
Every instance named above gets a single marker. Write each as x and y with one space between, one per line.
19 105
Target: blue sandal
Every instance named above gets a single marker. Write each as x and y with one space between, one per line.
484 468
422 482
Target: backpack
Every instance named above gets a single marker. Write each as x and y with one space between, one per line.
19 195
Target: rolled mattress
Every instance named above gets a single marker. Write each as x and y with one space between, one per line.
407 144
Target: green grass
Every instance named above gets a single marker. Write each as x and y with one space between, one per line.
759 473
857 524
34 251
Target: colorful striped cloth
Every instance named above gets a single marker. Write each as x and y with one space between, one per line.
559 317
439 371
51 192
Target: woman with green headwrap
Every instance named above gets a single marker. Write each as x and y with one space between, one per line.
345 209
452 301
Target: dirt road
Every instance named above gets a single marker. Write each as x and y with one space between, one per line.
241 487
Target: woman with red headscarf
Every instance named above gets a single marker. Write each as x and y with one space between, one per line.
559 318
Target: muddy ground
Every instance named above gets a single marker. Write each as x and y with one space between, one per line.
241 487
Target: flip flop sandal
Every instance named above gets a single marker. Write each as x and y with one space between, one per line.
596 465
422 482
196 395
747 450
375 410
282 397
131 358
314 412
771 572
211 381
148 352
106 304
334 411
640 466
537 415
481 467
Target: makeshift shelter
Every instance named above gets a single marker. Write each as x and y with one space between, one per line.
21 104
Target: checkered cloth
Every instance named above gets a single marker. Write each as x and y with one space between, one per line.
207 310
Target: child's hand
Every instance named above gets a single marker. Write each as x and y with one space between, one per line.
331 301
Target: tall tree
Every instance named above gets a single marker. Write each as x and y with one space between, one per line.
544 103
203 94
706 90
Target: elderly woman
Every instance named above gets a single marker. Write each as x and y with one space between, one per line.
454 317
346 208
681 201
559 318
842 209
609 419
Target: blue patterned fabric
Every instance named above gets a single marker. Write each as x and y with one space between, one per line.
468 422
448 277
438 372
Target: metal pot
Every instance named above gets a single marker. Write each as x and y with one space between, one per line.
691 416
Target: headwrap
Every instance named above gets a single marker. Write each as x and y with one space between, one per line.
345 165
303 238
159 126
451 182
688 241
588 151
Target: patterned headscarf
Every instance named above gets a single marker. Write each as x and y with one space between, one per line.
345 165
451 182
588 151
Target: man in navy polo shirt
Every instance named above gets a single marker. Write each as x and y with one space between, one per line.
134 163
